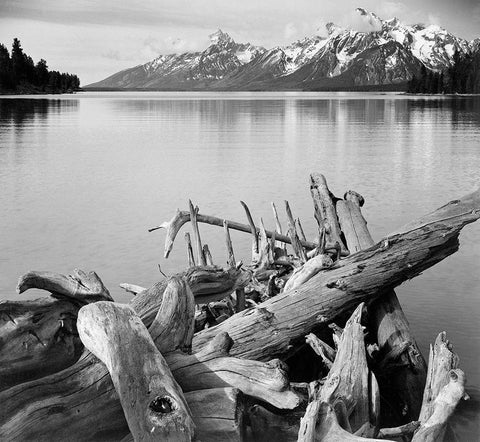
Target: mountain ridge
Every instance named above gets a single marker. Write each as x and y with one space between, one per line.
390 53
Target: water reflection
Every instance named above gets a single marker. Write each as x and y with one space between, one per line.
22 112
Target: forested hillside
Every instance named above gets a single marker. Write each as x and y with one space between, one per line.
461 78
19 74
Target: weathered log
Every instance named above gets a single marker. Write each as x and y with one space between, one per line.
212 367
325 427
274 427
311 267
152 401
82 287
356 387
211 283
80 402
173 326
37 338
218 414
182 217
352 222
325 212
402 388
278 323
444 389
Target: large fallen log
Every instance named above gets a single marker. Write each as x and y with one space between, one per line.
39 337
277 324
80 402
401 387
152 401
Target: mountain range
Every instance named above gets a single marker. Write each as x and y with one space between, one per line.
390 54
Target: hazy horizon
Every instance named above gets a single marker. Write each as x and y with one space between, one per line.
95 40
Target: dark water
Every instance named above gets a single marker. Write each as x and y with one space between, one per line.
83 177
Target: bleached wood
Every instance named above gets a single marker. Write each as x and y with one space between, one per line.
37 338
80 286
132 288
278 323
197 241
152 401
325 212
182 217
444 389
402 387
190 255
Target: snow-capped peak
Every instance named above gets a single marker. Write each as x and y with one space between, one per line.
332 28
220 37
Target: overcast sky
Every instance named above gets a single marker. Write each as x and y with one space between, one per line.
95 39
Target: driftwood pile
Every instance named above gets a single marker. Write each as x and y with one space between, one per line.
211 353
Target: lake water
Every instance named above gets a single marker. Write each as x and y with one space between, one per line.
82 178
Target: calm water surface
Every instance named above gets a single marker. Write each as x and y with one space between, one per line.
82 178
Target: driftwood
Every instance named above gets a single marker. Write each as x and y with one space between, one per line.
327 428
80 401
349 385
401 387
212 367
444 389
154 405
82 287
325 213
271 426
39 337
132 288
218 414
275 325
182 217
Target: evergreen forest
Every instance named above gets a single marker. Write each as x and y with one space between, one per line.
463 77
20 75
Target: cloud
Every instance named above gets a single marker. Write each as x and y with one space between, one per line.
111 54
362 21
392 9
433 19
152 46
290 31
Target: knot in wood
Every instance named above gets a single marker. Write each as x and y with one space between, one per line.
162 405
262 311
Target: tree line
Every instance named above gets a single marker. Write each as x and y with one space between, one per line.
19 74
463 77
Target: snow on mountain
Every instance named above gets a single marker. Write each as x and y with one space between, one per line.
433 45
378 52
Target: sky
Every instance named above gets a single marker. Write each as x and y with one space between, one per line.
95 39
